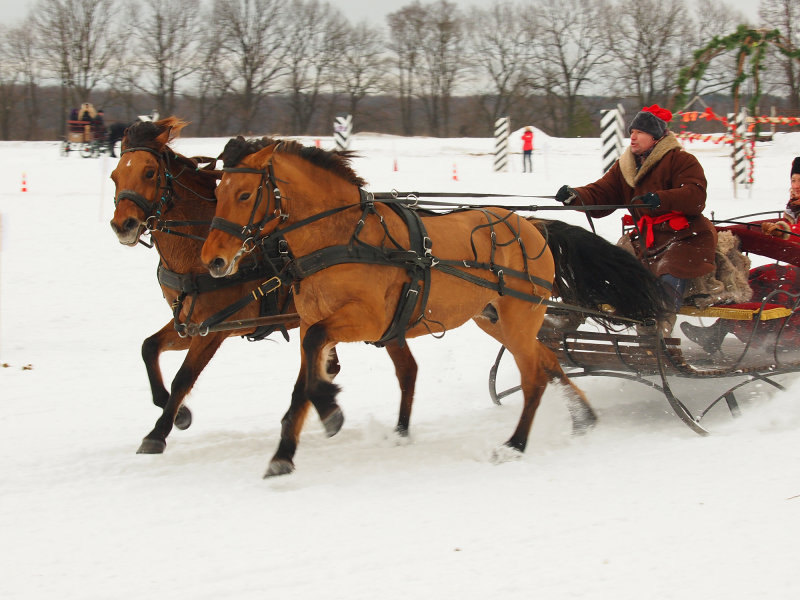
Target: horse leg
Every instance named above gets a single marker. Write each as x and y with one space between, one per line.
405 367
583 417
319 387
516 328
292 423
201 350
152 348
534 381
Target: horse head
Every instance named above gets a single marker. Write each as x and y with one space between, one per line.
263 182
141 176
248 204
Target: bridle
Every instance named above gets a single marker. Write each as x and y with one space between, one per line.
165 192
250 233
154 209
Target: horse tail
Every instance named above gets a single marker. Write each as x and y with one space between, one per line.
591 272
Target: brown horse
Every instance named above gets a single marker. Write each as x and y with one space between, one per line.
358 261
154 183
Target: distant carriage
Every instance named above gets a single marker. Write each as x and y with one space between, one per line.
87 133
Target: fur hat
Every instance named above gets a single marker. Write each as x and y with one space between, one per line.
795 166
652 120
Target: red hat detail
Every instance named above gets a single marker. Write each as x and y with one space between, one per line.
661 113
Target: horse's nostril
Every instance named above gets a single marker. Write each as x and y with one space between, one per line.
130 224
114 227
218 263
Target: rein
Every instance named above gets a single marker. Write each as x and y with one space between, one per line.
412 199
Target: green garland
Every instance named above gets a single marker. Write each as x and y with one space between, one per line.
748 43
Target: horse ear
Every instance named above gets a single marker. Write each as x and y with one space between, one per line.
170 129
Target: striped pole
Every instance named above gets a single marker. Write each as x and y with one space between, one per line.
342 128
612 133
502 127
738 155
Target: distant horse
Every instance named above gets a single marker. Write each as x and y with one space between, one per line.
371 271
116 131
154 183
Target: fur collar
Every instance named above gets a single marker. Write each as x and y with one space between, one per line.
627 162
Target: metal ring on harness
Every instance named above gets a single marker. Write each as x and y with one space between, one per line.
248 245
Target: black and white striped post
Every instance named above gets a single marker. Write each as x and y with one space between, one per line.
739 153
342 128
612 133
502 127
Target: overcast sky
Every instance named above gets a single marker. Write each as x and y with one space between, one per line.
374 11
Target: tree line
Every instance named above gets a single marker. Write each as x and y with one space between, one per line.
434 68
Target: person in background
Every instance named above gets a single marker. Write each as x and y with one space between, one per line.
527 150
788 224
764 280
665 189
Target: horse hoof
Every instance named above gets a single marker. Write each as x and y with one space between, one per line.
152 446
279 467
333 422
584 427
184 418
504 454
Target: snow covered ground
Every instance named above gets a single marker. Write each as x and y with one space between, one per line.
639 508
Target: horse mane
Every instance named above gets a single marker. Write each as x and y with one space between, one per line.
156 135
337 162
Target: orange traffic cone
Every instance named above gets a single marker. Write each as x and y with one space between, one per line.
24 183
455 174
395 165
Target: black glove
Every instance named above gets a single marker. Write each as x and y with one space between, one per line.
650 199
566 195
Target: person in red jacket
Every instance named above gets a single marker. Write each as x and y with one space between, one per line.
664 188
789 223
527 151
764 281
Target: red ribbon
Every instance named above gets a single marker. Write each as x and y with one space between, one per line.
677 220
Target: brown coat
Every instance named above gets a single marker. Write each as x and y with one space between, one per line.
678 179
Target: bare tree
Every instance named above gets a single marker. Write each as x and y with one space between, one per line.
569 50
251 48
315 42
78 40
20 78
361 67
710 19
441 62
784 15
405 28
499 43
645 38
9 84
212 83
165 48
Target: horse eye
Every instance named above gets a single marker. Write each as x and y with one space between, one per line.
244 196
149 173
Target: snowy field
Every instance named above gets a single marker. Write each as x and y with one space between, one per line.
640 508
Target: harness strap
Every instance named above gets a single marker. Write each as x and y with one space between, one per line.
274 259
494 268
496 286
420 276
201 283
